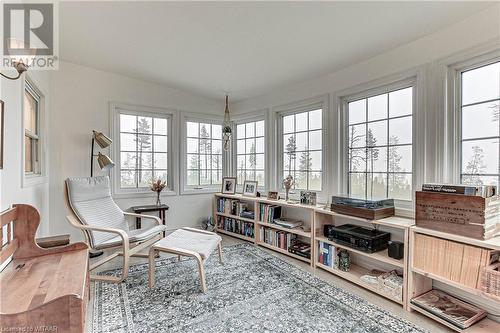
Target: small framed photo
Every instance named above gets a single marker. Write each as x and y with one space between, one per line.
272 195
250 188
228 185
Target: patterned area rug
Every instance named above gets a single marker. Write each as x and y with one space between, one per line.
253 291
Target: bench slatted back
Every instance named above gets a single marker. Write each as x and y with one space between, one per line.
9 243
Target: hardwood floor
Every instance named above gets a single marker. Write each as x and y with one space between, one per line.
414 317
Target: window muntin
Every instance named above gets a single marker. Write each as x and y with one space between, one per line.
250 152
480 125
31 112
380 145
203 154
302 149
143 150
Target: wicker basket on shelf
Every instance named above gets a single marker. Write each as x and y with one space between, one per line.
491 279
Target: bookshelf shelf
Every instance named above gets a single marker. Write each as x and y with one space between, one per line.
236 217
421 279
354 275
295 231
233 234
380 256
316 217
280 250
484 326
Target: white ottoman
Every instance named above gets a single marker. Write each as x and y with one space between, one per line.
187 242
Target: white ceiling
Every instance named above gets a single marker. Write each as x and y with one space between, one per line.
241 47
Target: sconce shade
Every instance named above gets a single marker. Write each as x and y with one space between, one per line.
104 162
102 140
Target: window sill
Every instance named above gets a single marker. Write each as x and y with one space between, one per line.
192 191
142 194
33 180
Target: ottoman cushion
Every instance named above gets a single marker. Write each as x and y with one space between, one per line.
185 239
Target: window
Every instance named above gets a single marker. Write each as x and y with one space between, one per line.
250 152
32 165
144 149
380 145
480 125
302 149
203 154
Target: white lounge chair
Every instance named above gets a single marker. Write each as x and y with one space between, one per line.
104 224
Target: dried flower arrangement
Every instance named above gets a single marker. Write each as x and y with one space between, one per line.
158 186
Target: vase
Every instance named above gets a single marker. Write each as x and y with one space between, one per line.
158 200
287 191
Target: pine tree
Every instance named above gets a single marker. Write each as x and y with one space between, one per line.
475 167
398 180
253 158
291 151
372 155
143 142
205 148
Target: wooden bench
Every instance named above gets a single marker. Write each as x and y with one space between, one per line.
43 290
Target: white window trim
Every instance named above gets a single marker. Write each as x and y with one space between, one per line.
454 106
310 104
186 116
33 179
374 88
254 116
115 110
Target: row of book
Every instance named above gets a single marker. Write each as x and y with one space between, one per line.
231 206
235 226
281 239
268 213
328 255
484 191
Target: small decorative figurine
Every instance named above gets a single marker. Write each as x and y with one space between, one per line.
344 261
158 186
287 184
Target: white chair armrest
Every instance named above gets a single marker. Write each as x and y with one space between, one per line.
120 232
142 216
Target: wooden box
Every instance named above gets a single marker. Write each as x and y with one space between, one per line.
469 216
457 262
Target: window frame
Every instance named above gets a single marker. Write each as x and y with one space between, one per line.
372 90
315 103
115 148
199 118
256 116
37 177
455 97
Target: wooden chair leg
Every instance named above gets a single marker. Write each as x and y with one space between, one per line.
220 252
179 257
201 267
152 267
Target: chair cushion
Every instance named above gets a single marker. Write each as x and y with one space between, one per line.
136 235
90 198
185 239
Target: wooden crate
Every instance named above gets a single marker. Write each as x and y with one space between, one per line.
457 262
469 216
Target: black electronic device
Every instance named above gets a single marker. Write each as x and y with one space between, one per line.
359 238
395 249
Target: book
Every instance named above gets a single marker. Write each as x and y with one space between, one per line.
288 222
449 308
484 191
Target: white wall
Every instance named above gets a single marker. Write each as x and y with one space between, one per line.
81 98
12 188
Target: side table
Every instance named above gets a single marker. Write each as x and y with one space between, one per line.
161 209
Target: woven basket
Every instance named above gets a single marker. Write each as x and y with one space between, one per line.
491 279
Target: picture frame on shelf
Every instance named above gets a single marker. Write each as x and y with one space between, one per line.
308 198
228 185
271 195
250 188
